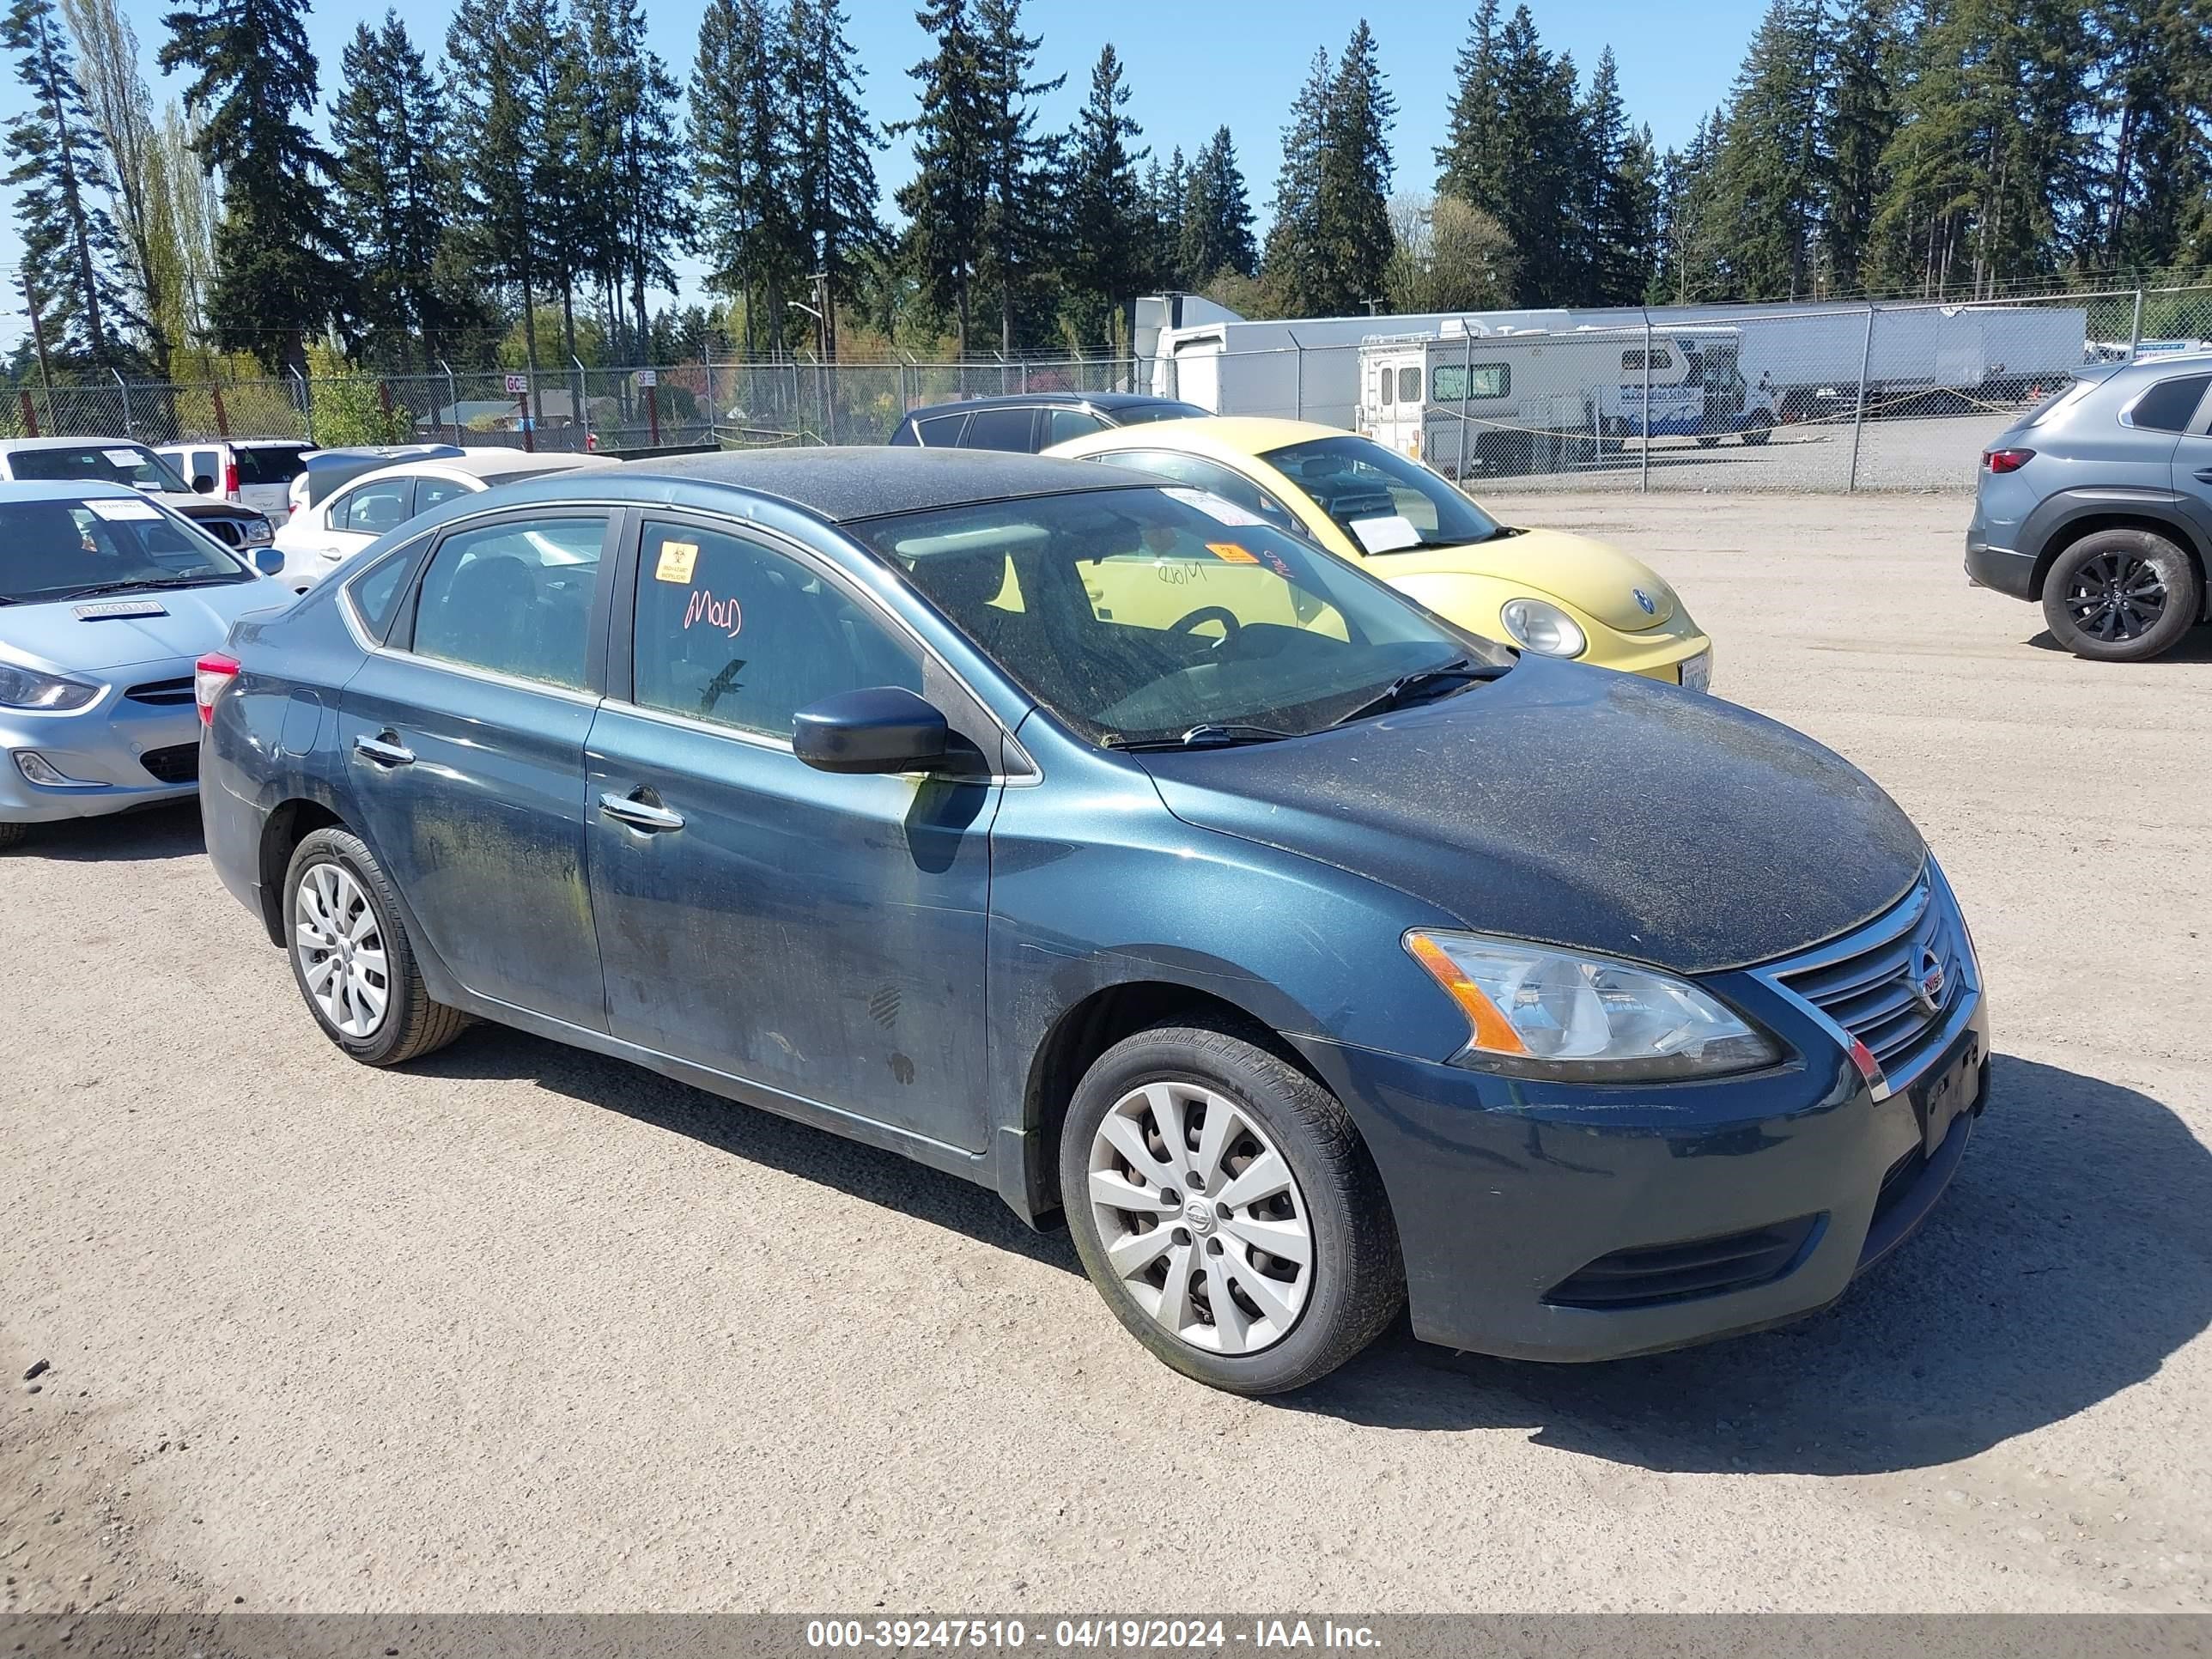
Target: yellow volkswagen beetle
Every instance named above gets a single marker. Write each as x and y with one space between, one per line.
1543 590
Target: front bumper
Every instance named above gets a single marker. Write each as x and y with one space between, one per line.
1513 1199
109 752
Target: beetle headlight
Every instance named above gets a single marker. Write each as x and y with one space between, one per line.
1537 1011
22 689
1544 629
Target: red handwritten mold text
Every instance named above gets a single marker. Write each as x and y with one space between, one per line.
725 614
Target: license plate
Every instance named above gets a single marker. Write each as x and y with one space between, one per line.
1947 1089
1698 671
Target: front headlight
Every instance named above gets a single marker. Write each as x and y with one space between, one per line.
21 689
1544 629
1537 1011
259 533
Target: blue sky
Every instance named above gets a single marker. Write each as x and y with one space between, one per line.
1192 65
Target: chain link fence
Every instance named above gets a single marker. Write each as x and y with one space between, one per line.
1817 398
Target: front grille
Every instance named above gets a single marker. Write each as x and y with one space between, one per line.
1655 1273
1875 983
225 530
177 763
163 694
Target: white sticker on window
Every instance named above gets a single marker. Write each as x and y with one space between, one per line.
1386 535
119 512
129 458
1214 507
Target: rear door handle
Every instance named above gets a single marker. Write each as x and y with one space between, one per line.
639 814
382 752
2205 473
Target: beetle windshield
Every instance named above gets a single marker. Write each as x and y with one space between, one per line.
1382 501
54 549
1139 615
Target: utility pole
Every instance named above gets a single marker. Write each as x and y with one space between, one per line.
39 338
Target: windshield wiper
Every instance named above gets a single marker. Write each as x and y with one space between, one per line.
1211 736
203 579
1395 695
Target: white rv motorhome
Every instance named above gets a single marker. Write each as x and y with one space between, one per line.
1476 398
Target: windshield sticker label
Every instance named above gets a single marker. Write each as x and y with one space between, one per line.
725 614
1231 552
121 512
1386 535
129 458
677 559
111 609
1214 507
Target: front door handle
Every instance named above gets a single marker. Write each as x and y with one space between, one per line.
2205 473
383 750
639 814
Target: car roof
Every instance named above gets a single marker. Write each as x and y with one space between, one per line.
484 463
12 444
1106 400
238 443
64 489
1238 435
847 484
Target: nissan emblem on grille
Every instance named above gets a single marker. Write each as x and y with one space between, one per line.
1927 981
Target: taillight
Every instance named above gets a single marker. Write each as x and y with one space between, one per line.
209 675
2006 460
230 480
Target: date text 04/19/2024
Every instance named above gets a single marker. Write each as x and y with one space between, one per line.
1112 1634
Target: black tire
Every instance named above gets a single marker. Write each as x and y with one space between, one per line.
12 834
2121 596
1357 1280
411 1025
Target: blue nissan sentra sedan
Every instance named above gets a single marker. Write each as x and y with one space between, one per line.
106 600
1094 839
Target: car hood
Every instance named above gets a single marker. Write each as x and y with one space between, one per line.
56 639
1580 807
1595 577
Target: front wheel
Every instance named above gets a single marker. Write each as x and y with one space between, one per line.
2121 596
12 834
1223 1206
351 957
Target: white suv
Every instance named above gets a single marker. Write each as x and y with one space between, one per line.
255 472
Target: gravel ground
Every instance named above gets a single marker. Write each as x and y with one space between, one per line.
518 1328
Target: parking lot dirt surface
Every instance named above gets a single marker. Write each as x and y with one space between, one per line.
516 1327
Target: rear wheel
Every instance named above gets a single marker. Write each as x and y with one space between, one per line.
1225 1208
351 957
2121 596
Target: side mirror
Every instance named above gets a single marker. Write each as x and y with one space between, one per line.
884 728
203 485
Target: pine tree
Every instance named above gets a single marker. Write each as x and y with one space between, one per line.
116 98
1105 257
1017 230
1685 267
1768 177
745 142
495 131
1539 136
947 201
1216 215
834 173
1352 209
1471 164
61 164
634 168
388 126
1292 258
254 84
1614 209
1857 123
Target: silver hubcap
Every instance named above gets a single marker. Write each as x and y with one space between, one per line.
340 950
1200 1217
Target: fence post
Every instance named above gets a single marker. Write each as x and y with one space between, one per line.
1466 391
1643 473
1858 421
653 413
1299 370
452 400
714 411
306 396
123 385
2135 331
522 410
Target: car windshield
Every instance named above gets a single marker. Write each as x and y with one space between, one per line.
1141 616
118 464
1382 501
53 549
1142 414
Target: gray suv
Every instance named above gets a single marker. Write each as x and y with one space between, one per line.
2098 504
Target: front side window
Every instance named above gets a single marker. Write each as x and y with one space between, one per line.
57 549
372 508
514 597
2171 404
1001 428
436 492
1452 383
1230 485
1381 498
1144 613
117 464
736 633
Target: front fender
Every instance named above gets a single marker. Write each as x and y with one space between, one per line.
1473 601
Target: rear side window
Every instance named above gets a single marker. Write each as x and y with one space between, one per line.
940 431
2170 405
514 597
1001 428
905 434
436 492
205 464
733 632
376 591
1450 383
1061 424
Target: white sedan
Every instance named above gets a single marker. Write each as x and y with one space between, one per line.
315 540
